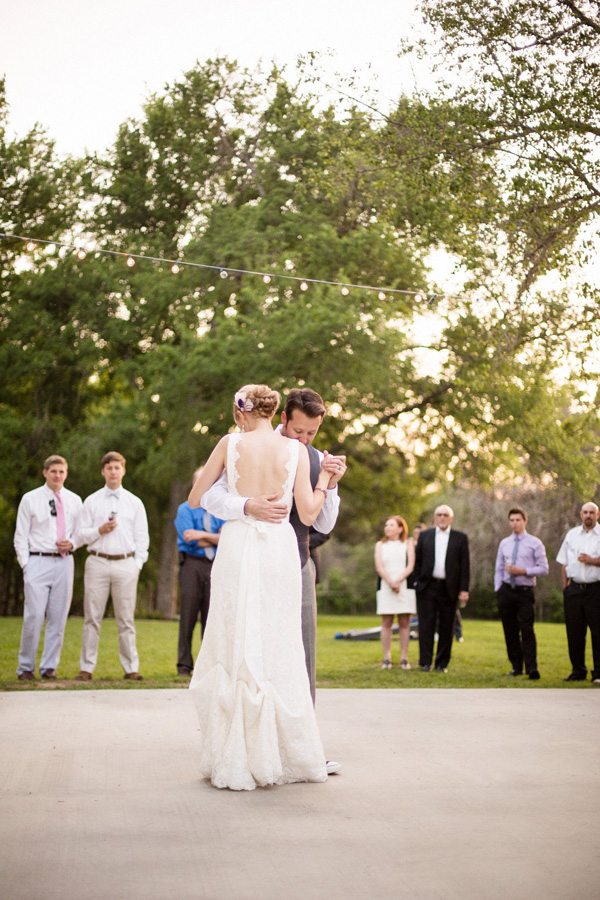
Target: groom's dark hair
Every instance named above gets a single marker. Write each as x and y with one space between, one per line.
308 402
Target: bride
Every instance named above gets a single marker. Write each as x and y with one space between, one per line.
250 685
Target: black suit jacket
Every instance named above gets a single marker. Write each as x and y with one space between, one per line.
457 562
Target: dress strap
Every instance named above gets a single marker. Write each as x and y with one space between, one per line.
291 468
233 454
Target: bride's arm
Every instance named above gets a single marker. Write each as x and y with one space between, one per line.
211 471
308 502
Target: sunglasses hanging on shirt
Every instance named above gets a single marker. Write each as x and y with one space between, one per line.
52 505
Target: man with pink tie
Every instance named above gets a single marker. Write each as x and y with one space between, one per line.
46 523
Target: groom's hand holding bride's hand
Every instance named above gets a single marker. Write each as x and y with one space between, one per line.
267 508
335 465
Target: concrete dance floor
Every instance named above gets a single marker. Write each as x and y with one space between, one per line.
466 794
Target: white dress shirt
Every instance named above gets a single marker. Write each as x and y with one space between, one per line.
220 503
577 541
130 535
36 526
441 548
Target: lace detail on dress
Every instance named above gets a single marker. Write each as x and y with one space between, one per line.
233 454
291 466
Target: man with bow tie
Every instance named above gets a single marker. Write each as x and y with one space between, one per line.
114 526
44 543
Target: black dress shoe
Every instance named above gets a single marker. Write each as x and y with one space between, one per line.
425 668
574 677
441 669
514 672
534 675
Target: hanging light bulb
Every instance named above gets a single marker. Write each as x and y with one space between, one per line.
266 279
174 268
30 245
223 273
130 261
81 254
381 295
304 286
345 291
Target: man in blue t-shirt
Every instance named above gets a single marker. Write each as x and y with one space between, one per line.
197 539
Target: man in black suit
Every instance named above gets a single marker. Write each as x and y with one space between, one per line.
442 582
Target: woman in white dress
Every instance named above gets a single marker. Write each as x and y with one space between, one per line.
394 561
250 685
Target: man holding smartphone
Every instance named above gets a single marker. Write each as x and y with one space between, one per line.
113 524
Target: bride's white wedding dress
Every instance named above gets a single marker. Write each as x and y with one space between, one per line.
257 722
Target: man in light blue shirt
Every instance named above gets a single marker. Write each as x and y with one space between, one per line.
197 539
521 558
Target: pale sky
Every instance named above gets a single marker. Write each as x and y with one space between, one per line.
80 68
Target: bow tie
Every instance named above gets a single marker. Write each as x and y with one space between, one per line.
113 494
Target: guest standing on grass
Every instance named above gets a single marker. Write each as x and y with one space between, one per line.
394 561
44 543
113 524
197 539
442 582
521 558
579 557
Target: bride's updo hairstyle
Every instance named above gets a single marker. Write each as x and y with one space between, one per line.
258 400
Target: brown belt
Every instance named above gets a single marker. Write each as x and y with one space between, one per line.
107 556
39 553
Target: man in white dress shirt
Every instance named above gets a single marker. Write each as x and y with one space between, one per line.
44 543
114 526
579 556
300 420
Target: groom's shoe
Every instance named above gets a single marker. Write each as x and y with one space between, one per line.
332 767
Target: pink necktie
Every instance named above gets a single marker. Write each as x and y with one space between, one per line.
60 521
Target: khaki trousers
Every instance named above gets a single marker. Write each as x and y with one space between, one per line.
118 578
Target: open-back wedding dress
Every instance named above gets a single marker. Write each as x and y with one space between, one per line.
250 684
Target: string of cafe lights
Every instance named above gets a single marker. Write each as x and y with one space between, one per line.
32 243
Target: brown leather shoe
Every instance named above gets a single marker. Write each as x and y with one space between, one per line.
27 676
84 676
50 674
133 676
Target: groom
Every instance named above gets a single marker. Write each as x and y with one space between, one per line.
300 420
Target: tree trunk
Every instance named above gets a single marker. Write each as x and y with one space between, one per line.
166 590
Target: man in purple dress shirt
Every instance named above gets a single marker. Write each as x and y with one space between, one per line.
521 557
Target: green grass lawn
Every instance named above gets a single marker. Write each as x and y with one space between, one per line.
479 662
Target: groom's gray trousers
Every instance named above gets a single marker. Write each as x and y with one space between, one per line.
309 622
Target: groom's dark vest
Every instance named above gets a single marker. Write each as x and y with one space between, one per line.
302 531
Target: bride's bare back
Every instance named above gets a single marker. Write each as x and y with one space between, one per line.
261 466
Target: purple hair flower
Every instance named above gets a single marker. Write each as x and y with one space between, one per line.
243 404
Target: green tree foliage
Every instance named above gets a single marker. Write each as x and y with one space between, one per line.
524 79
236 171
